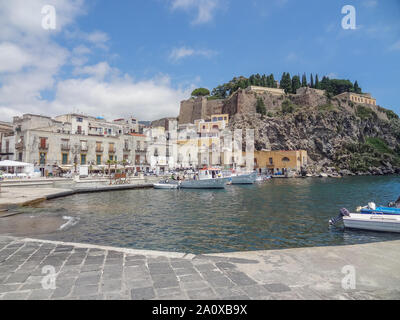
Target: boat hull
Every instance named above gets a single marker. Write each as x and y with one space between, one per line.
372 222
204 184
244 179
165 186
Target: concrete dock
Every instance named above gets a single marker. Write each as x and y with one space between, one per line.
24 196
34 269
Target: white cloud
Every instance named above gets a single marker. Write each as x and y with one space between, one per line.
147 100
205 8
12 58
32 69
98 71
185 52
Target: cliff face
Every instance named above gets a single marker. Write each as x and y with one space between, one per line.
336 140
338 134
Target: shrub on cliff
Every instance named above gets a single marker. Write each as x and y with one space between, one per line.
200 92
365 113
287 107
260 107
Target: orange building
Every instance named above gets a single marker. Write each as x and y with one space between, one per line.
280 161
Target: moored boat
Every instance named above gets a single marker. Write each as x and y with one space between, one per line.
244 178
368 222
207 178
372 222
167 185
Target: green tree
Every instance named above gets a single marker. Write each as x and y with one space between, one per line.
286 82
260 107
312 81
296 84
316 82
304 81
357 88
201 92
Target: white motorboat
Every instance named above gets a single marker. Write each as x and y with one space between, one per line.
373 222
244 178
167 185
370 222
207 178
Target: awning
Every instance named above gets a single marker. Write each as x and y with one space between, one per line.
66 168
14 164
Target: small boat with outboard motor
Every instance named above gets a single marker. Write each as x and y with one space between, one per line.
167 184
369 221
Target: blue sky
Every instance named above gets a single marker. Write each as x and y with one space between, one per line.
117 58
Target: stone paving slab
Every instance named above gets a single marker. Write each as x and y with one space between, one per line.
46 270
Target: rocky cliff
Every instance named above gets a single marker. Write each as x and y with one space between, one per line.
339 135
338 139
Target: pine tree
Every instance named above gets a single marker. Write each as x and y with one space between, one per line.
272 81
357 88
304 81
296 84
286 82
312 81
316 82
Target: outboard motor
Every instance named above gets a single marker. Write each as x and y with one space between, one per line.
343 213
395 204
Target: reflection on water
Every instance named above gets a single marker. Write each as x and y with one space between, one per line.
278 214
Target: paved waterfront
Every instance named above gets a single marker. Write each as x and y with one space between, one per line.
92 272
25 195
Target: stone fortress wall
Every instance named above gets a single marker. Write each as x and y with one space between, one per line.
244 101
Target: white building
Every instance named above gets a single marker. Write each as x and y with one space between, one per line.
71 140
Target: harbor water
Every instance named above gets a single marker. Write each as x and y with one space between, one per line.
281 213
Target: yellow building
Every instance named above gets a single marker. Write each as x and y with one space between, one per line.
217 123
365 98
280 161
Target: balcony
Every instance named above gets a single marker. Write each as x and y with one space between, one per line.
140 150
84 148
65 147
127 149
112 150
44 146
99 149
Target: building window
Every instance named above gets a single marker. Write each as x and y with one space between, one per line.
111 158
42 158
98 159
79 119
83 159
271 161
43 143
65 158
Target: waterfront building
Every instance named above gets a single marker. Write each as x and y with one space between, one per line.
7 141
274 162
73 140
